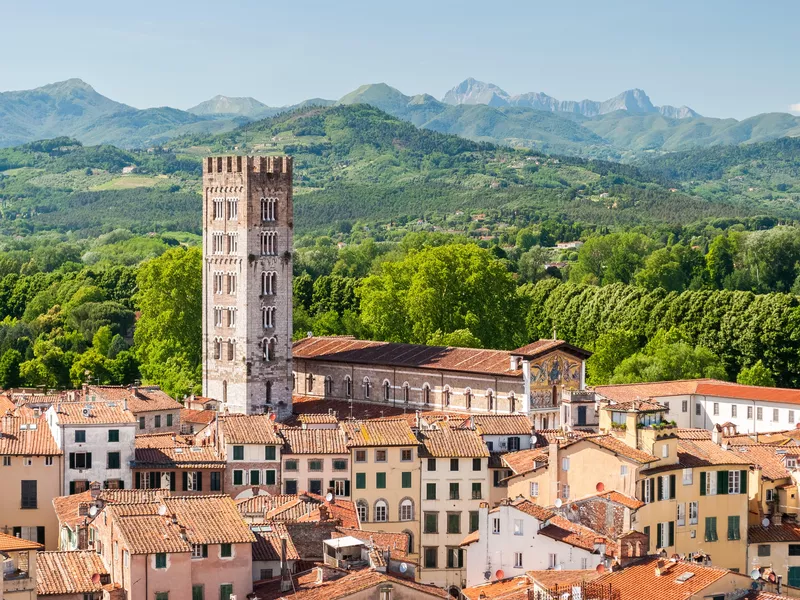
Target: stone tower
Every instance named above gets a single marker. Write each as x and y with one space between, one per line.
247 283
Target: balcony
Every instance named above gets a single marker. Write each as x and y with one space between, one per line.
542 401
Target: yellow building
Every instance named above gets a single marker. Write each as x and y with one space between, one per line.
18 561
31 475
385 475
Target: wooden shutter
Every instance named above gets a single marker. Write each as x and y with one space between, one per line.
40 535
88 460
185 481
199 481
347 487
137 480
659 530
722 482
743 480
671 533
660 489
71 487
672 487
71 460
702 483
173 480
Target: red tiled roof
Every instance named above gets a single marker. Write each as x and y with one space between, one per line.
609 442
471 538
563 530
140 399
318 418
540 347
268 542
68 507
529 508
525 461
508 589
657 389
164 440
785 532
767 458
446 441
298 440
352 351
101 413
618 497
502 424
749 392
24 436
635 405
249 429
397 543
379 432
549 579
195 457
198 417
10 543
68 572
692 434
640 582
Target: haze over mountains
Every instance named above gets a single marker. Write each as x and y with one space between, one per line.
618 128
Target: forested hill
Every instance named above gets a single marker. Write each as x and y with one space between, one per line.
353 164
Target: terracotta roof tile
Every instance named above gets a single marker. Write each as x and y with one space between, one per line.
9 543
636 391
785 532
623 499
68 572
379 432
611 443
503 424
749 392
318 418
470 538
352 351
540 347
23 436
195 457
313 441
140 399
508 589
692 434
446 441
359 410
635 405
249 429
151 534
298 507
68 508
525 461
396 543
768 458
574 534
101 413
549 579
537 512
197 417
164 440
640 582
268 542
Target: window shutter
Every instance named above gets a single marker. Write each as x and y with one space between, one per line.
671 533
172 481
185 481
672 488
205 550
137 480
155 477
71 460
347 487
702 483
88 460
71 487
659 535
722 482
660 489
743 480
331 485
199 481
40 535
122 484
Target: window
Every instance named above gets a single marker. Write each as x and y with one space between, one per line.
80 436
665 534
367 388
431 464
426 394
113 460
405 479
518 527
270 476
692 513
711 529
218 242
225 591
454 522
289 486
361 456
113 435
216 481
157 421
315 465
6 461
454 490
431 522
231 316
684 406
474 517
759 413
218 278
339 464
255 477
363 510
763 550
386 391
225 550
431 555
623 470
381 511
518 560
233 208
476 490
80 460
665 487
199 551
406 455
406 510
468 398
290 465
219 209
734 482
733 411
238 477
749 412
269 283
710 486
348 387
565 491
161 560
565 464
791 416
687 476
534 489
232 284
735 534
455 558
716 408
169 420
361 481
380 480
794 549
513 444
269 452
430 491
48 461
29 497
454 464
697 409
162 595
405 393
552 561
664 450
476 464
681 516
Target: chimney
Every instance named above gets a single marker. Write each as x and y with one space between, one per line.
416 419
514 363
320 576
779 584
323 512
716 434
95 489
286 581
777 518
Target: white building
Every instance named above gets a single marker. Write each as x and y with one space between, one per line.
519 536
704 403
455 481
98 441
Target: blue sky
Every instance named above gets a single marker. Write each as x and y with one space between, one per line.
723 58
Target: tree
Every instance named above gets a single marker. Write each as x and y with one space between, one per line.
461 338
531 265
609 351
757 374
101 341
9 368
719 260
168 333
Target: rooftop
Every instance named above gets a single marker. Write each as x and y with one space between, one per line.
140 399
785 532
525 461
268 542
705 387
611 443
68 508
318 418
299 440
68 572
249 429
99 413
446 441
502 424
197 417
379 432
549 579
10 543
26 436
181 457
512 588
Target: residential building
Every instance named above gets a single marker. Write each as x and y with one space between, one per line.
455 481
519 536
776 546
385 470
704 403
251 448
78 575
154 410
31 473
306 508
530 379
97 441
180 547
273 547
247 283
19 561
175 463
315 460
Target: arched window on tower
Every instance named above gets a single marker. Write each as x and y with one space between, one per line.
348 386
231 348
309 383
406 391
426 393
386 390
328 386
490 400
468 398
367 388
217 349
268 393
446 396
269 283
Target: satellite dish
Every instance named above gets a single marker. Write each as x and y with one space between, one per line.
96 578
600 486
403 567
601 568
329 497
162 510
272 417
499 574
755 574
92 510
765 522
558 503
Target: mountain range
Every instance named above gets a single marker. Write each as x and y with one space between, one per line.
624 127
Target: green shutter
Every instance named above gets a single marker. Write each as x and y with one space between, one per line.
270 477
137 480
659 533
743 479
671 533
672 488
646 531
237 477
173 481
380 480
722 482
702 483
660 491
406 479
197 592
361 481
733 528
255 477
269 452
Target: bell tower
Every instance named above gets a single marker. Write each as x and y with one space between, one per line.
247 283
